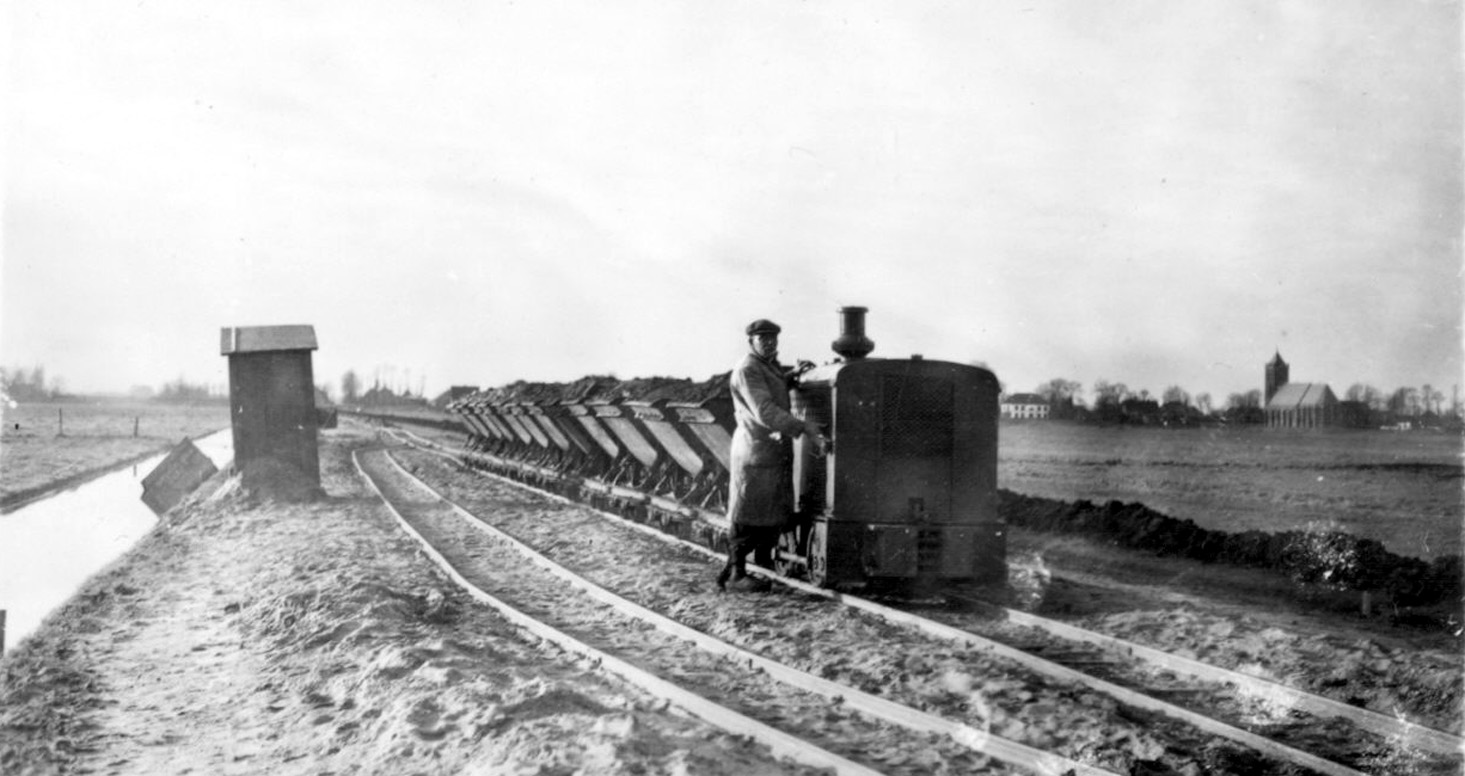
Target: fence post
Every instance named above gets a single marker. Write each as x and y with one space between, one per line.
60 423
134 425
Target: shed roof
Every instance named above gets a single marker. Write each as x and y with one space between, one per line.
1294 395
1024 398
255 339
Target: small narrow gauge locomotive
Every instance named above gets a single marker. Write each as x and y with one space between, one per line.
905 493
909 490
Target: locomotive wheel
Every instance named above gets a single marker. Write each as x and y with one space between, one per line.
816 553
788 549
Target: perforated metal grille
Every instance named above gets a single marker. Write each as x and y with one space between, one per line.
916 417
928 550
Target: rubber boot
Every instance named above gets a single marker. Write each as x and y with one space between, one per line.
752 585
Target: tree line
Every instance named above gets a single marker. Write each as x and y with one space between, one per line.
32 384
1114 400
22 384
389 386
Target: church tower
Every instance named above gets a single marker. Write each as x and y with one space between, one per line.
1276 377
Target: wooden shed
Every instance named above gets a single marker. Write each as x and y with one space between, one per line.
272 409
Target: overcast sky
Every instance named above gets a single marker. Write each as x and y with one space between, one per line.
1154 193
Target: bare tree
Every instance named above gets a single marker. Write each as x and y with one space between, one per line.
1203 403
350 386
1109 394
1434 401
1404 401
1362 392
21 384
1238 401
1058 389
1431 400
1176 394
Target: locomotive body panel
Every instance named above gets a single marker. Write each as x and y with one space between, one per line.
909 490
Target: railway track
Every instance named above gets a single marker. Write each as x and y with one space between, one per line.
812 720
1207 697
1226 692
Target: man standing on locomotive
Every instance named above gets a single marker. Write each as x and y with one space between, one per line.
760 494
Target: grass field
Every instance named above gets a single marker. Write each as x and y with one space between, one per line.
1403 489
42 444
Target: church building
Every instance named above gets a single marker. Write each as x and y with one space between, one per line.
1297 405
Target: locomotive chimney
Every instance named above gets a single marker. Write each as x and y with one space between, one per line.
852 343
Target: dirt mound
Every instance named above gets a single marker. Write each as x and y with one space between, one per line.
714 387
602 387
589 388
1320 557
523 392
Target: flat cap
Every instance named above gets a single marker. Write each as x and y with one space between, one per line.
763 326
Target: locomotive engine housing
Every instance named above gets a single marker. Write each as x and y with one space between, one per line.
909 489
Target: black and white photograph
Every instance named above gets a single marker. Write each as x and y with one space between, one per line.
566 388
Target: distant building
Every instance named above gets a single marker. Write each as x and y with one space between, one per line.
1277 376
1298 405
1025 405
453 394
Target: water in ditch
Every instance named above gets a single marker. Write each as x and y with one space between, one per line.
50 547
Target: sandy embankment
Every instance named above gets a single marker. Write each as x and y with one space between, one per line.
256 638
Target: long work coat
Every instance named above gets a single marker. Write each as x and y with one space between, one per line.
761 488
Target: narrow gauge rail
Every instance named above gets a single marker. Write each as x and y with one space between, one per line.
1071 645
624 639
1051 706
1077 661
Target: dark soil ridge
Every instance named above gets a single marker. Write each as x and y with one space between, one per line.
1331 559
1444 471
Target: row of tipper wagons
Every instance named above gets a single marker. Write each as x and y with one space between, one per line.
906 493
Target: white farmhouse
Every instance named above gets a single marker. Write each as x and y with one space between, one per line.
1025 405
